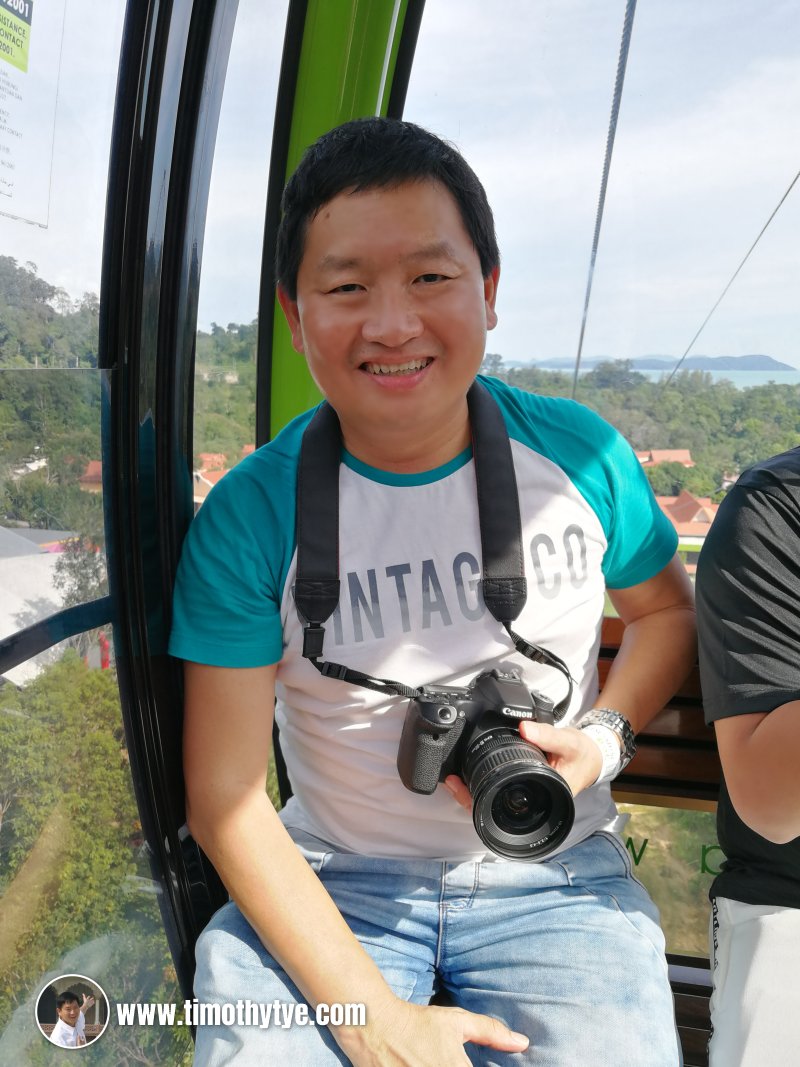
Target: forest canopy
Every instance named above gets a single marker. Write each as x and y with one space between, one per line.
56 415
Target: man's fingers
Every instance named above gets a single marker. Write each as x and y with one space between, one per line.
548 738
484 1030
456 787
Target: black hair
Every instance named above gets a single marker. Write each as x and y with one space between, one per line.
377 153
67 997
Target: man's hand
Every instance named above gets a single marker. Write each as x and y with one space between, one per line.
87 1003
571 752
413 1035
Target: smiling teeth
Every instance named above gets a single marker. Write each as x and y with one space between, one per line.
397 368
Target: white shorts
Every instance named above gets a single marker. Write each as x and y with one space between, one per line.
755 1005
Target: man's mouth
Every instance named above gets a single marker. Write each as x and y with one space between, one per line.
411 367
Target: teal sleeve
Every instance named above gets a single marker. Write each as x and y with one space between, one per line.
227 600
604 469
641 539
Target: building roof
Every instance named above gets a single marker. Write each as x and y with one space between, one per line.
690 515
93 475
653 456
12 544
212 461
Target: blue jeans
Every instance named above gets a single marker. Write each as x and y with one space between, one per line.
567 951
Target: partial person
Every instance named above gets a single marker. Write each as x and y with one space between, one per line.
70 1028
377 883
748 594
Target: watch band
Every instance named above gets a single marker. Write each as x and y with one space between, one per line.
607 741
616 721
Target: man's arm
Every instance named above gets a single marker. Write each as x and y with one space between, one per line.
759 754
748 597
228 723
658 649
659 645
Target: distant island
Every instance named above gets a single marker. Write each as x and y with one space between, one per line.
666 363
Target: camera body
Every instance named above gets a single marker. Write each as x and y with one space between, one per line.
522 808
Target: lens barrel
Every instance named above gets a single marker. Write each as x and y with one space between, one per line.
521 808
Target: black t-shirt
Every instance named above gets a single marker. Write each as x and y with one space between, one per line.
748 604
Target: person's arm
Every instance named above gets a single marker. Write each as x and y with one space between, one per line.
228 723
658 649
748 598
759 754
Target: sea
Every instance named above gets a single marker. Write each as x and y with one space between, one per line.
742 379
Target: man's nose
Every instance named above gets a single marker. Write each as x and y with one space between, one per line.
391 320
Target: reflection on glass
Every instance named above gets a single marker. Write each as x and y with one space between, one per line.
52 541
76 894
676 855
225 371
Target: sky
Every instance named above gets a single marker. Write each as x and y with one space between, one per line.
706 146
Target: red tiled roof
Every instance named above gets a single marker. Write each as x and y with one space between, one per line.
690 515
653 456
93 473
212 461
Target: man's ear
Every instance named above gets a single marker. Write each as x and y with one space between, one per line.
490 296
292 314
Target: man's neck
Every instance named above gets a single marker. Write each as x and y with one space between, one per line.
406 449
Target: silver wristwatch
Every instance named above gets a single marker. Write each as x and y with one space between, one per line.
616 721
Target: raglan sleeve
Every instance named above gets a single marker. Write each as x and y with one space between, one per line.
641 538
227 597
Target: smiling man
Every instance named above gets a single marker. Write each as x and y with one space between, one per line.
70 1029
364 890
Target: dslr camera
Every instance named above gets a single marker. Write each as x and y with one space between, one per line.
522 809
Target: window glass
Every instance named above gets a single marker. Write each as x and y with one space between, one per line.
52 541
225 369
703 154
675 853
56 108
76 893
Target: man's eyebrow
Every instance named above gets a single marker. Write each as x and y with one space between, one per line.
332 263
434 250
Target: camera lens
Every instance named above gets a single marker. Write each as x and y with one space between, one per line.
521 808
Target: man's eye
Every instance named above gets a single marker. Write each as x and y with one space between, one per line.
348 287
428 279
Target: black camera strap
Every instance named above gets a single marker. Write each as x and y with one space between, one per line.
503 586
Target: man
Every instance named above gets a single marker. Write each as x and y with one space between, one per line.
70 1029
362 891
748 588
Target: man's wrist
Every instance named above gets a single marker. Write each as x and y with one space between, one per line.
613 734
610 751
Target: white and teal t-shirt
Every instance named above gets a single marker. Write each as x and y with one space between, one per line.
410 607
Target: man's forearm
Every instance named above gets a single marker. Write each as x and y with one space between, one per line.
289 908
656 655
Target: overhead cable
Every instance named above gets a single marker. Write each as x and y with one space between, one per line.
690 346
627 29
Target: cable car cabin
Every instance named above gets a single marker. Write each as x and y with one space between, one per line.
142 160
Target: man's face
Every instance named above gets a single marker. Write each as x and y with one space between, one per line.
391 313
69 1012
